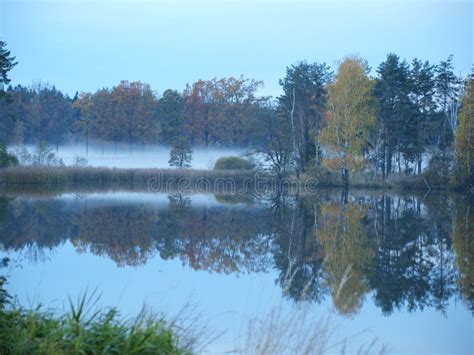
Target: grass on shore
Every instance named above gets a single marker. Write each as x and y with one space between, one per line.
81 331
28 177
85 330
50 175
88 329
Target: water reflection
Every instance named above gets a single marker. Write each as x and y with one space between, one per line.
406 252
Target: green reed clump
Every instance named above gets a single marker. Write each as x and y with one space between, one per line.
83 330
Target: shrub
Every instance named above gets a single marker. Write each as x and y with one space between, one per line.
44 155
439 169
79 161
324 176
233 163
23 155
6 159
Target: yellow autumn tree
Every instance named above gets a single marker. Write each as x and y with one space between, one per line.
464 139
350 117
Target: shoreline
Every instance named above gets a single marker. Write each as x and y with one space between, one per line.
194 180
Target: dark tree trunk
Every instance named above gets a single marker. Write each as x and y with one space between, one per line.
345 183
389 163
384 175
345 178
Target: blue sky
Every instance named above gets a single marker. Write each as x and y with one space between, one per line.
86 45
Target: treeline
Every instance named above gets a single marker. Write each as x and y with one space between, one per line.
346 121
212 112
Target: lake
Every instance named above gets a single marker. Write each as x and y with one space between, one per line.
392 269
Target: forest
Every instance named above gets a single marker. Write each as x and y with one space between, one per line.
402 118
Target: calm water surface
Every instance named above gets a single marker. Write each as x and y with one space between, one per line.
394 268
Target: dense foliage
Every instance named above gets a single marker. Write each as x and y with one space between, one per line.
233 163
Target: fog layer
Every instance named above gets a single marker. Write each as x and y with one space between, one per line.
136 156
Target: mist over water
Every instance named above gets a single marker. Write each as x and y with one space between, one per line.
123 155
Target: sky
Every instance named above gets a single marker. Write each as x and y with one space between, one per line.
87 45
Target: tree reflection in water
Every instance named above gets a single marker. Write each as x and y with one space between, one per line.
405 251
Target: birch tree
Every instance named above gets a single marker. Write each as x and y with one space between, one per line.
350 117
